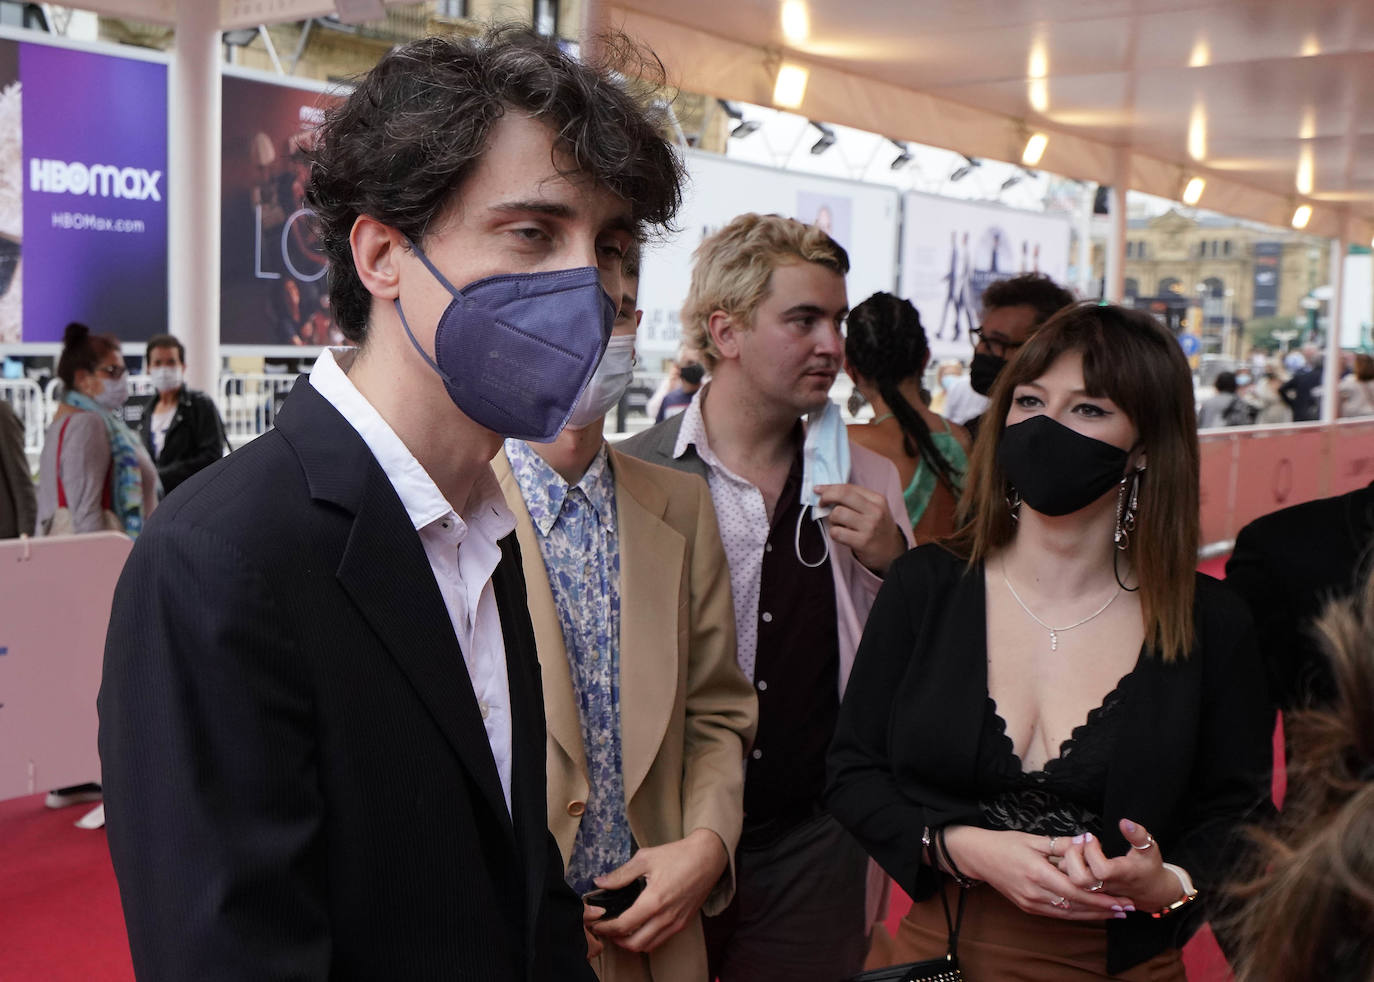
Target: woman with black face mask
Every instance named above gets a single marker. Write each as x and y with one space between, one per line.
1054 726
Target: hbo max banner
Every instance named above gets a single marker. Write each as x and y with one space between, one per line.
88 230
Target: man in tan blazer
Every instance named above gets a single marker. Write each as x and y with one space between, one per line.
649 716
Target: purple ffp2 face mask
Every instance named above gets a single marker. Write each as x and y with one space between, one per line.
515 351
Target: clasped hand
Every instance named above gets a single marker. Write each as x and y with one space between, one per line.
1066 878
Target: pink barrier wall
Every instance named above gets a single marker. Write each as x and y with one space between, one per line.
1251 471
55 597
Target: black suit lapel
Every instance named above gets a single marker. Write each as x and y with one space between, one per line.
386 573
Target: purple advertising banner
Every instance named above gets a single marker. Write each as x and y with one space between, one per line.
94 193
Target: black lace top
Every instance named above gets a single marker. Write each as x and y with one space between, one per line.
1065 796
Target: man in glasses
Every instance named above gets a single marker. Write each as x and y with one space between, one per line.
1013 310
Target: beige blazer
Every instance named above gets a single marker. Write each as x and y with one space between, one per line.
687 713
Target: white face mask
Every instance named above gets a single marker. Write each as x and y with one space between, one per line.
113 394
607 384
825 460
166 378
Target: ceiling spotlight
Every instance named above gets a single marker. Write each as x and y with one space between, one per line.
789 89
744 128
827 139
965 169
1192 193
796 21
1035 149
240 37
904 157
1302 216
731 110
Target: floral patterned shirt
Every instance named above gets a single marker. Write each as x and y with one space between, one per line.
576 526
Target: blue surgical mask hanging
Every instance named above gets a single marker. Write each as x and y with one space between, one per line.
516 351
825 460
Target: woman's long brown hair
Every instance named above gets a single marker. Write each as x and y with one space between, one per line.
1310 913
1130 358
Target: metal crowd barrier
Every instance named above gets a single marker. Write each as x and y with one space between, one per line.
248 403
29 403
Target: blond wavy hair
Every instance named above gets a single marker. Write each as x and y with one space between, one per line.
731 270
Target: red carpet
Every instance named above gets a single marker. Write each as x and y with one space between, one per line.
61 920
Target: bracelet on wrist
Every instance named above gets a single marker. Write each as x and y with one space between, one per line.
1189 891
948 860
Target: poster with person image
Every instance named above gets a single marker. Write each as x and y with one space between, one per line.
953 250
861 217
831 213
274 278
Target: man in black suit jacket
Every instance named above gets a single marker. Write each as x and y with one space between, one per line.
322 733
1288 565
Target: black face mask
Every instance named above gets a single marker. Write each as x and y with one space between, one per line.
1057 470
692 374
983 371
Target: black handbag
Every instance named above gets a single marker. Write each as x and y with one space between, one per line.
944 969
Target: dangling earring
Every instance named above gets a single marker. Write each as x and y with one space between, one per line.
1126 510
1122 535
1014 503
1126 507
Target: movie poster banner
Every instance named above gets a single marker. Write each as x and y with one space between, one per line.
862 217
952 250
83 193
274 286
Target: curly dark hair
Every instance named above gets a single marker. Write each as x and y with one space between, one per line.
886 344
415 126
1031 289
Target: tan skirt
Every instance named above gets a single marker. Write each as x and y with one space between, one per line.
1000 941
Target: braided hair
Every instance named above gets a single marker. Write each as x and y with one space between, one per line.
886 344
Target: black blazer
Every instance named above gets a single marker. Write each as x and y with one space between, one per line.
195 438
298 784
1191 763
1288 565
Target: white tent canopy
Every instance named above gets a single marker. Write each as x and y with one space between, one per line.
1268 101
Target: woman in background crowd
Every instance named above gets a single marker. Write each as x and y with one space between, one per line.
885 354
94 474
1056 712
180 427
1310 913
946 376
1356 390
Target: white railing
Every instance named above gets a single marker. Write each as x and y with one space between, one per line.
249 403
30 405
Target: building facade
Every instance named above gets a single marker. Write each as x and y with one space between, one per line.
1226 274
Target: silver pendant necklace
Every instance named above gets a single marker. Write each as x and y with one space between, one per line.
1055 631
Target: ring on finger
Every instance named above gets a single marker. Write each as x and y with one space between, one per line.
1149 844
1061 902
1096 887
1053 840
